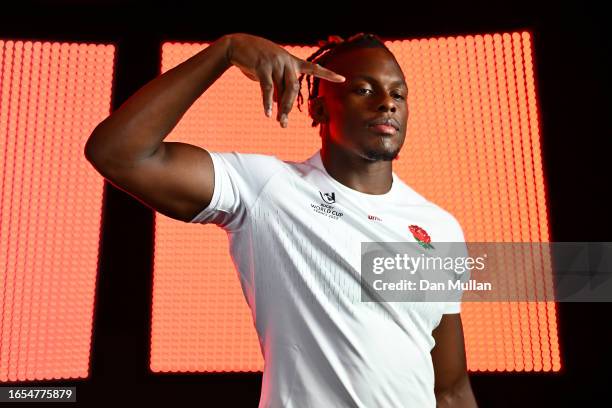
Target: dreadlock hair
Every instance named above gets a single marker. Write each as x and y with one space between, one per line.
334 46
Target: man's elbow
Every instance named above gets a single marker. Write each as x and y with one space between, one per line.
91 149
88 152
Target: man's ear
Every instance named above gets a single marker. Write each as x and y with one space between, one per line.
316 110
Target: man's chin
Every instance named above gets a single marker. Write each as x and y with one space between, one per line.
382 155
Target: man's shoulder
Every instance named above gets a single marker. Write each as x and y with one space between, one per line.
251 163
408 195
450 222
248 156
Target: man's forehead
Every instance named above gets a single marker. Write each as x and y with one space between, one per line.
356 64
396 80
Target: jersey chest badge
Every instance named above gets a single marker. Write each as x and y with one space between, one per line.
326 208
329 198
421 236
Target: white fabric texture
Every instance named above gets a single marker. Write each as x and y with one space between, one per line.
295 238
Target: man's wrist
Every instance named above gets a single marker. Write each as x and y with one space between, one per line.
226 42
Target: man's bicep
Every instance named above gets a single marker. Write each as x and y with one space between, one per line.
177 180
448 354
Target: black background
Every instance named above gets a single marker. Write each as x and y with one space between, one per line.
572 66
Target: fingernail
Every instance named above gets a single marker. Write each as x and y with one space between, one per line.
269 112
284 120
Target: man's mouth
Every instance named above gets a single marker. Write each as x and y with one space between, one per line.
383 129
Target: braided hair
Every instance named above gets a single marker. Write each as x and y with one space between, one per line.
329 49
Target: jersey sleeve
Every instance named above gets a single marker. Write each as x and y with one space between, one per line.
459 250
238 180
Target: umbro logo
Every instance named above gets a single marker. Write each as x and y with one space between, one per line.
373 217
329 198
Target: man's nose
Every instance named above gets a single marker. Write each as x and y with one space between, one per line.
388 104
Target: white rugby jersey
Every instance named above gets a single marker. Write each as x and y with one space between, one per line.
295 238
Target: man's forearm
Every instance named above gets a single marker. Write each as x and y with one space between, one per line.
459 396
138 127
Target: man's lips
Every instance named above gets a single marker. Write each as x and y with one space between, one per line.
385 129
384 125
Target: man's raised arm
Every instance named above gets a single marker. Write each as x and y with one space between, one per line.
177 179
127 148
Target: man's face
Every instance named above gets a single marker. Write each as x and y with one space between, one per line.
375 88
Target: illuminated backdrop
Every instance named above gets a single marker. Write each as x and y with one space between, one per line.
472 147
52 95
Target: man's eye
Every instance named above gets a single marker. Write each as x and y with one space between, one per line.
363 89
400 96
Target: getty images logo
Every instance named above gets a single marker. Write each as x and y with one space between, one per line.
329 198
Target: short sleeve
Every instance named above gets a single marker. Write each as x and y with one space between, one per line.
239 178
452 308
459 250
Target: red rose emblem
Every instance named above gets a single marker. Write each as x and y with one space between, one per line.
421 236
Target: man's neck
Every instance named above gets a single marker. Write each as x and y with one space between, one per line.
356 172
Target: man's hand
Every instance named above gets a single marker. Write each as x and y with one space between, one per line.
275 69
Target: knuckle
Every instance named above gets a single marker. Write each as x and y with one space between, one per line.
260 66
277 64
279 60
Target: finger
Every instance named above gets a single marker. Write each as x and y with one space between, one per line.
277 77
292 88
319 71
267 88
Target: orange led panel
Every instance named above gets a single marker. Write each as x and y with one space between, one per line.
472 146
52 95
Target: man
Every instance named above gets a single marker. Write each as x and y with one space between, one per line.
295 228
